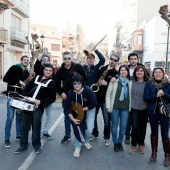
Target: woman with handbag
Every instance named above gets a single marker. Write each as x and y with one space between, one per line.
157 95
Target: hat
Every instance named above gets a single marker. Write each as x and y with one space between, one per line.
77 111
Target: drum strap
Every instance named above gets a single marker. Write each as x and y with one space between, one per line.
40 85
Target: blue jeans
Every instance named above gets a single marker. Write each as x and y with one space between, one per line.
49 112
122 116
29 119
139 120
10 117
164 124
106 117
90 115
67 121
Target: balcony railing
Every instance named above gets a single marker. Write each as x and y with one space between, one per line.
3 36
18 35
21 7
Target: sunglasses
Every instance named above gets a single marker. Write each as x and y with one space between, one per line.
113 59
75 83
67 58
45 59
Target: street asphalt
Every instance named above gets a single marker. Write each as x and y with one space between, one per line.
57 156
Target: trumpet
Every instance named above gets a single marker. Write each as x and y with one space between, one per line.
37 46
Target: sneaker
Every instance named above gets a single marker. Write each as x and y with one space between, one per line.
106 142
127 140
65 139
76 152
20 149
37 150
18 137
87 145
7 143
116 148
120 147
48 136
94 137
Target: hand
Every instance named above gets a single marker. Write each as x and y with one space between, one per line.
37 102
160 93
22 83
113 80
76 122
108 110
64 96
102 82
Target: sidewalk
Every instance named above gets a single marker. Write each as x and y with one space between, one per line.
3 86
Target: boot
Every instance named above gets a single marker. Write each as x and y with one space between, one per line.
154 146
166 146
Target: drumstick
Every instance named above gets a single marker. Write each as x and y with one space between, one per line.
21 95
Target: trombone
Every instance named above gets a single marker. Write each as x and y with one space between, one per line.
89 50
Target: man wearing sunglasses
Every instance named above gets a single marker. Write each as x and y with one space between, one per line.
64 84
109 71
39 70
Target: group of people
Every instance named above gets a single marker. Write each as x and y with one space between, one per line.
127 98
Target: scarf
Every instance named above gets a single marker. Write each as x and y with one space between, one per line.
19 65
124 91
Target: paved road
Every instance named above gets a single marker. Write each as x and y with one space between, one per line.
55 156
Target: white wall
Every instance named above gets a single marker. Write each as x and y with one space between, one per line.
155 41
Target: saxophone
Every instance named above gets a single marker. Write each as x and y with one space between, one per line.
95 87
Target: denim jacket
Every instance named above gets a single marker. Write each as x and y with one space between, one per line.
150 96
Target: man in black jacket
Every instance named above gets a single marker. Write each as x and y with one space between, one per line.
46 95
106 73
15 76
63 85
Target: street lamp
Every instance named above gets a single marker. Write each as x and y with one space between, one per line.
165 15
42 39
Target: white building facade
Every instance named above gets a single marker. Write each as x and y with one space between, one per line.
155 43
14 27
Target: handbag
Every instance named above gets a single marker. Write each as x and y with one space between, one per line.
162 109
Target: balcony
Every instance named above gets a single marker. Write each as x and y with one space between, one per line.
21 7
137 41
18 35
3 36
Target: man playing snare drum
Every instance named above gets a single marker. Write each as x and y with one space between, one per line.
42 91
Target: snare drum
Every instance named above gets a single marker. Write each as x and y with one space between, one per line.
22 104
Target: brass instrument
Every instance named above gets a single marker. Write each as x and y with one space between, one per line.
35 49
89 50
95 87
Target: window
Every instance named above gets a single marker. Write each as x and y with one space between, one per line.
140 41
16 22
55 47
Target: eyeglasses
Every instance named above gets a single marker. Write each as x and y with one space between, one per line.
114 59
76 82
67 58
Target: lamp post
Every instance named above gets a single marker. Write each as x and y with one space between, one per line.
167 51
165 15
42 39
